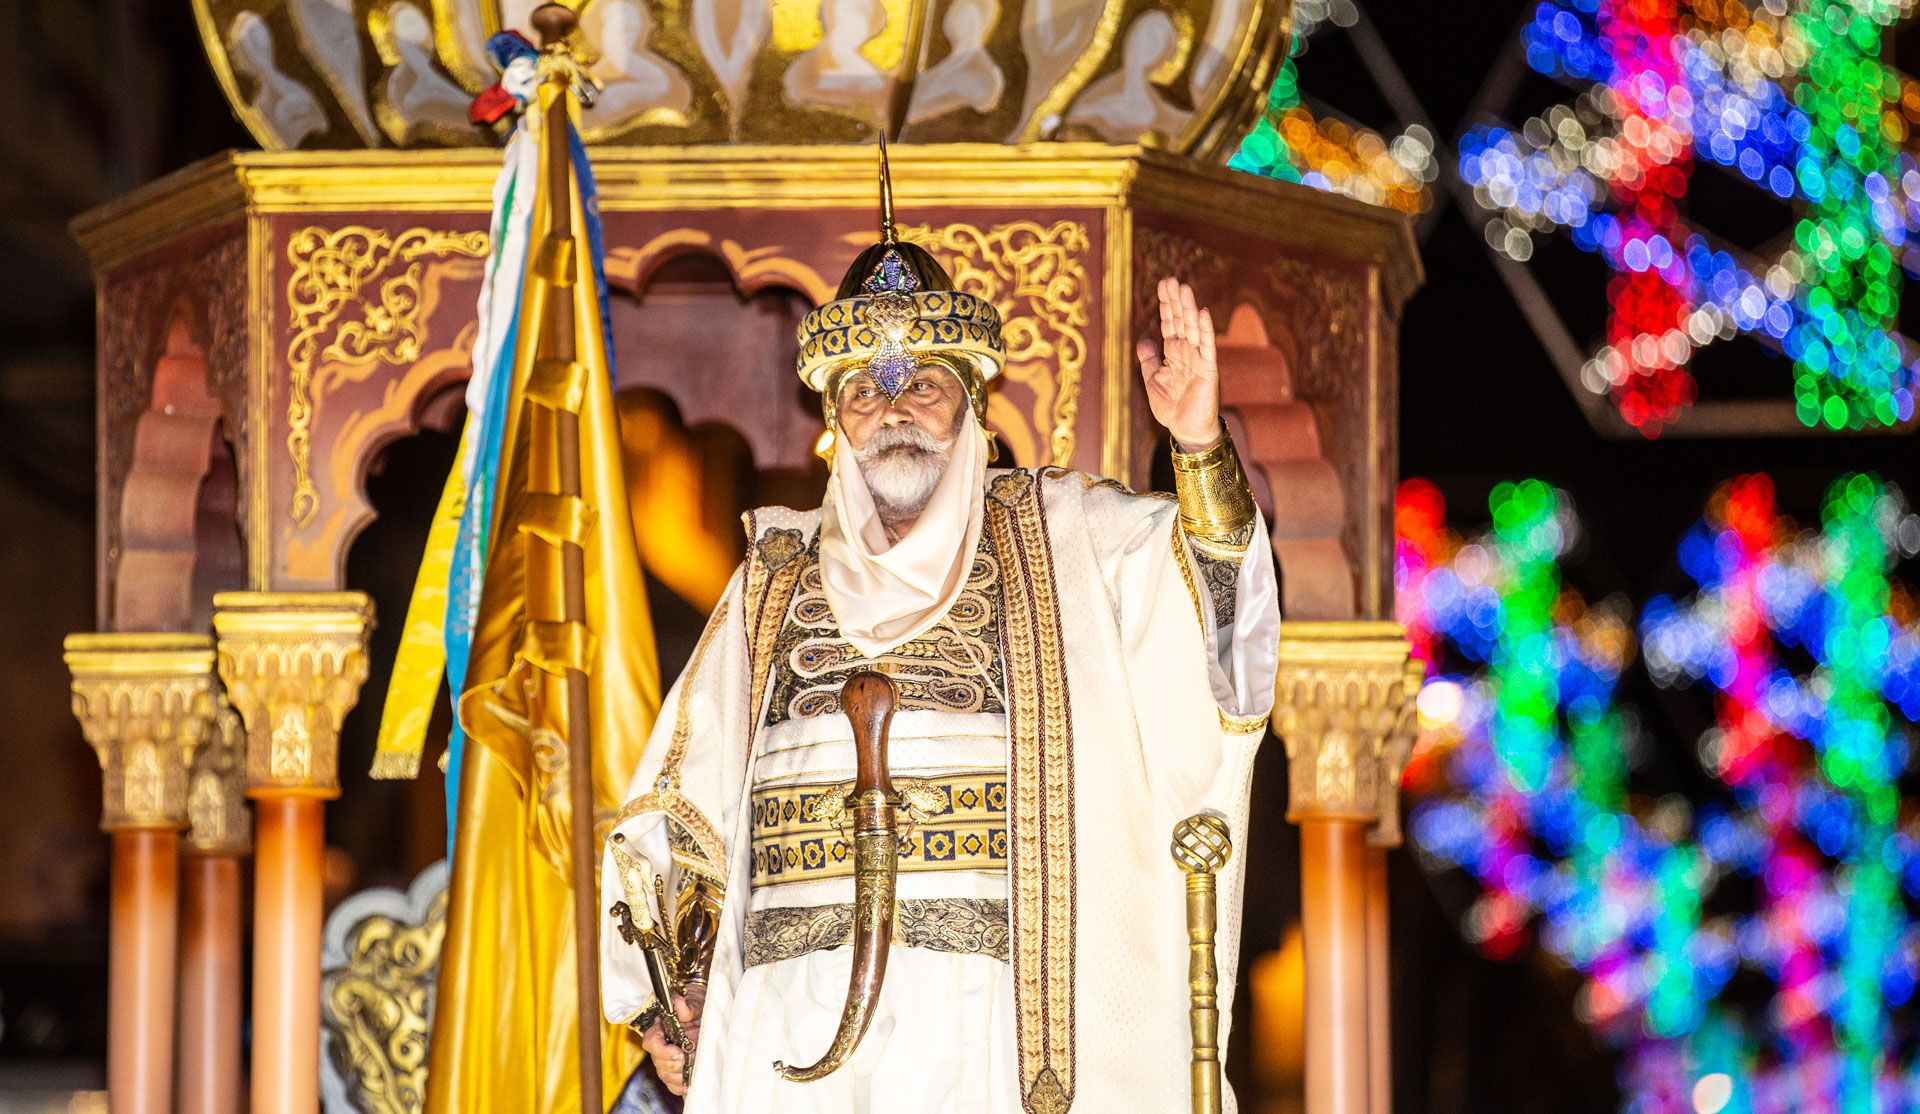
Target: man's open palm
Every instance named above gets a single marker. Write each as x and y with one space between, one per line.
1181 372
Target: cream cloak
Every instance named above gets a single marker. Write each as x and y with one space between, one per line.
1158 714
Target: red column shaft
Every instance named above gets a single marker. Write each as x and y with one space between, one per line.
1334 931
210 985
288 850
143 929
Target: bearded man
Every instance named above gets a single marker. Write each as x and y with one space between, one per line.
1078 668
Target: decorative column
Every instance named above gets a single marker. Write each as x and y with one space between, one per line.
1343 698
219 836
144 702
293 663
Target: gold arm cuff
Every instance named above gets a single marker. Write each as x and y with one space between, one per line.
1215 501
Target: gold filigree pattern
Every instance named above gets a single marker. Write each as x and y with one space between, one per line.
953 667
1036 276
956 925
1040 731
354 298
293 664
1343 698
145 703
376 1006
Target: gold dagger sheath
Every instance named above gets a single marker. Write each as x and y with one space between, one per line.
868 699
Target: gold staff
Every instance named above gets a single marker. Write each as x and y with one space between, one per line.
1202 845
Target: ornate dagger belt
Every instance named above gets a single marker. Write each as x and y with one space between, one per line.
868 699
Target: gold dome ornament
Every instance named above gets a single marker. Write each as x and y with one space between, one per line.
1184 75
896 311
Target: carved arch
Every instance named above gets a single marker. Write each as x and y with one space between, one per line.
753 269
428 395
710 324
1293 480
165 511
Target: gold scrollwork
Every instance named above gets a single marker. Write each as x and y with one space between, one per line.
1036 276
292 664
145 702
376 1006
1343 705
354 298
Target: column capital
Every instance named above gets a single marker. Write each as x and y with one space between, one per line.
217 820
293 663
1343 704
144 701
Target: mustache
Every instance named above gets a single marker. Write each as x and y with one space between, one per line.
895 438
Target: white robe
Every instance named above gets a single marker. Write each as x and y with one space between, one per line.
1164 714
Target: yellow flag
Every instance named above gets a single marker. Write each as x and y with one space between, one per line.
422 661
506 1016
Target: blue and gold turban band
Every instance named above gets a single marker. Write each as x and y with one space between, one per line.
893 326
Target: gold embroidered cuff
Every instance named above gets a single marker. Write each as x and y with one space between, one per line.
1215 501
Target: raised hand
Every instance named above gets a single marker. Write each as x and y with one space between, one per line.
1181 373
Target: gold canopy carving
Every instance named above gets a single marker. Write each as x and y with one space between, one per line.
1183 75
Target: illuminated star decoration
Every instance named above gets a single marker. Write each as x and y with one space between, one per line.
892 313
1790 94
1796 872
1291 143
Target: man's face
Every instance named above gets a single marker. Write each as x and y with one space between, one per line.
903 446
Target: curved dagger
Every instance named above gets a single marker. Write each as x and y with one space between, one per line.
868 699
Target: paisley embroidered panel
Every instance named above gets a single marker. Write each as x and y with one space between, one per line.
954 667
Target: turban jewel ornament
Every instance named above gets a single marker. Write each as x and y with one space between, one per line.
895 312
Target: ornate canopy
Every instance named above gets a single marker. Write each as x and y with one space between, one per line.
1179 74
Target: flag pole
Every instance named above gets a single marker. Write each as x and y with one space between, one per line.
554 22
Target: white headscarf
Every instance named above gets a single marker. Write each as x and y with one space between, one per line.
882 593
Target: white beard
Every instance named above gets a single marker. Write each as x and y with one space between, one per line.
902 465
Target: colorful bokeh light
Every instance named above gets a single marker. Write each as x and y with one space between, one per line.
1758 932
1290 142
1792 96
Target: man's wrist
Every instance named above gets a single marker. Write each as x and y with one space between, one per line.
1193 446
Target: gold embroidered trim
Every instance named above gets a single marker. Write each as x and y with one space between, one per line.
773 572
961 824
1041 775
953 667
1229 723
1233 547
1242 725
711 857
1184 561
957 925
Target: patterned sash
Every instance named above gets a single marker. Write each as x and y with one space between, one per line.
1041 779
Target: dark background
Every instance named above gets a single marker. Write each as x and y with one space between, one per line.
107 96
